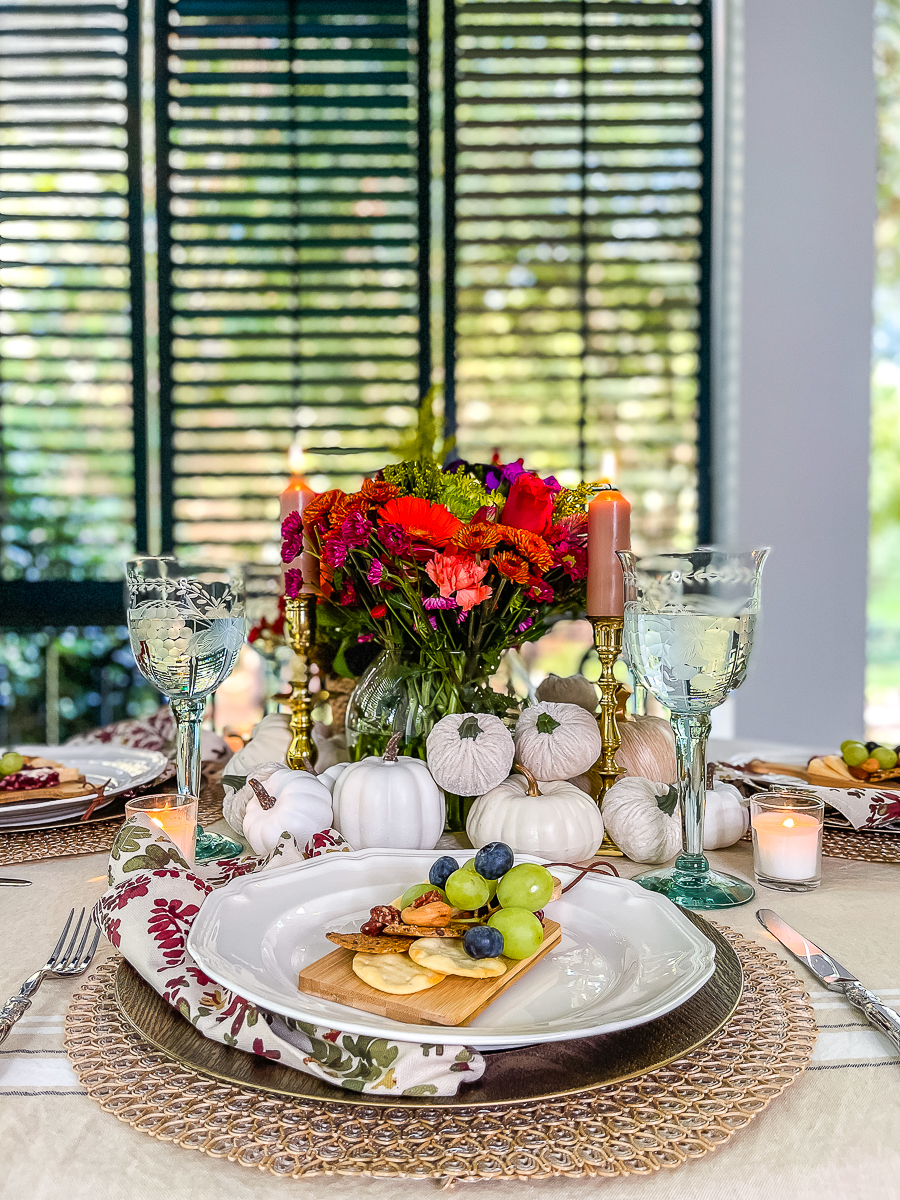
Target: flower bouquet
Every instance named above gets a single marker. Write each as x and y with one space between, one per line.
444 569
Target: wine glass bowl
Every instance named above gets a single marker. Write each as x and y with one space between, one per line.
690 620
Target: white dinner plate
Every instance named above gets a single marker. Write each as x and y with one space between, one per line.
124 766
626 955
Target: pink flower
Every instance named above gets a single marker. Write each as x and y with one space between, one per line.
377 571
541 591
467 598
438 602
394 538
366 637
293 581
454 571
432 621
526 624
292 536
461 616
335 551
348 594
355 530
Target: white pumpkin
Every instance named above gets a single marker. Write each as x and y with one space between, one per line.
389 801
469 753
726 818
236 800
289 801
332 774
556 741
643 819
269 742
553 818
647 749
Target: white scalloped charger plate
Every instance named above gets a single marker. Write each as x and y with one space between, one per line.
626 956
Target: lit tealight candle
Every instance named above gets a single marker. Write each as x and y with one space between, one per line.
787 845
175 815
295 497
609 530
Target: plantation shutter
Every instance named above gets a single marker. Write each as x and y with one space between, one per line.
292 152
580 213
72 454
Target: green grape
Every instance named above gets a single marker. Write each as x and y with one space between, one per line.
854 753
417 890
525 886
12 762
522 931
885 757
492 883
466 889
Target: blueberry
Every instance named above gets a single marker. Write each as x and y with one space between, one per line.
442 870
493 860
482 941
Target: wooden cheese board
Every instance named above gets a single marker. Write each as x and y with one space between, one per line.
60 791
888 780
454 1001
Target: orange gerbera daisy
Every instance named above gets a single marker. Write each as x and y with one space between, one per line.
320 507
530 545
480 535
422 520
511 566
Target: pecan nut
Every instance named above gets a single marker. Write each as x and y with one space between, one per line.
379 916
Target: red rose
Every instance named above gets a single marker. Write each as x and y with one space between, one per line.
529 505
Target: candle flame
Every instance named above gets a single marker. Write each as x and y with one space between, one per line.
296 457
789 823
609 466
157 821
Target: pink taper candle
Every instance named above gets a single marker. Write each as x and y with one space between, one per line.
295 498
609 530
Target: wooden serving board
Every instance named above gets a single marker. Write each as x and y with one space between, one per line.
758 767
454 1001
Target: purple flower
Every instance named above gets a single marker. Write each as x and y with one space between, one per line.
526 624
293 581
492 480
377 571
512 471
460 617
438 602
553 484
394 538
432 621
366 637
355 530
335 552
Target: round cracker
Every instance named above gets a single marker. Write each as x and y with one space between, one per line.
396 974
448 956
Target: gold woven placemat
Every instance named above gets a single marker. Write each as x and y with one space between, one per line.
658 1120
91 837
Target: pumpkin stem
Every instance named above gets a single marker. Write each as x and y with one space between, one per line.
266 800
469 728
710 776
390 750
308 764
545 723
533 789
668 802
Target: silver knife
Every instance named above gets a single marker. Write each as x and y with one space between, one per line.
15 883
835 977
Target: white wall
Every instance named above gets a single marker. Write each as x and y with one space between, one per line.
791 415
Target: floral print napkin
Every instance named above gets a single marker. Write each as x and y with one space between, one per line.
152 901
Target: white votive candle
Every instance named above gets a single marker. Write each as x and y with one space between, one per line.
173 814
787 844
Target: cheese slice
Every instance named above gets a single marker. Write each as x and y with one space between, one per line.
448 956
394 973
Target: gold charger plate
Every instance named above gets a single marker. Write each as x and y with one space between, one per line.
534 1073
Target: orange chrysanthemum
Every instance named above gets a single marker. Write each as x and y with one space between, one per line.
422 520
511 566
529 545
378 491
481 535
319 508
345 506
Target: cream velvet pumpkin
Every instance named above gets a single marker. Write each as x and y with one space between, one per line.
292 801
389 801
557 741
642 818
647 749
469 753
552 818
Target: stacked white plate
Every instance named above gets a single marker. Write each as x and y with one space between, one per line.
123 766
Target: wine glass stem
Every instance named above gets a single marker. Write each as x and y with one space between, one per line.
691 733
188 715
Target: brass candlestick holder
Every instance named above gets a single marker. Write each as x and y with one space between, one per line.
298 628
608 643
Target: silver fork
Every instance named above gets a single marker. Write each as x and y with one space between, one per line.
61 963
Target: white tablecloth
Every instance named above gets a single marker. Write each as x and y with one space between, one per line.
835 1133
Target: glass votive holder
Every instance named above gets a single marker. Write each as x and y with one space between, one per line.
175 815
787 840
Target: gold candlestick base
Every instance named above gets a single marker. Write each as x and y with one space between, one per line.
298 619
608 643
